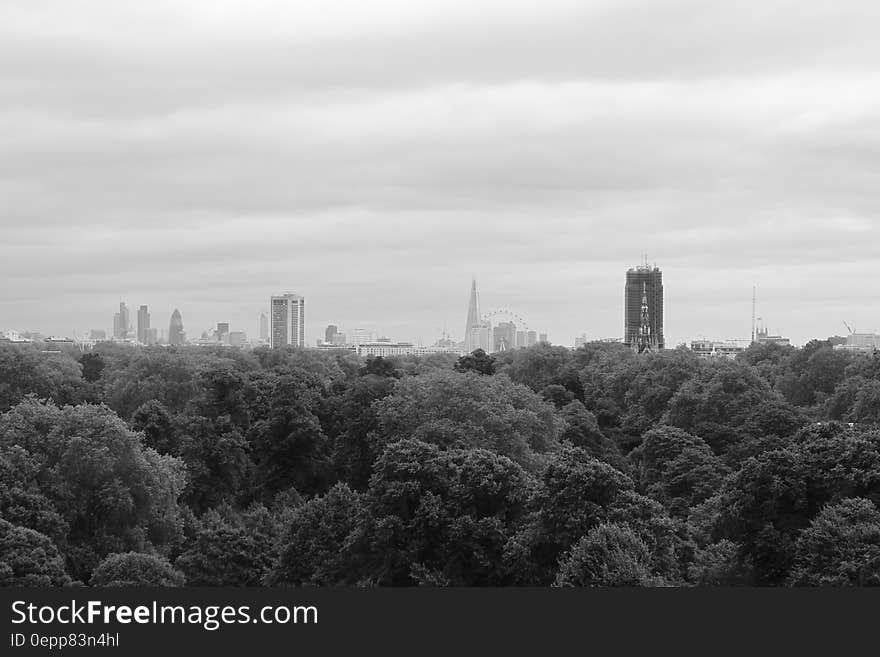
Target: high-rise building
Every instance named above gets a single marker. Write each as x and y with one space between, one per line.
531 338
287 320
223 332
121 322
264 327
643 283
151 336
477 332
237 338
176 334
143 324
504 336
330 333
361 336
543 338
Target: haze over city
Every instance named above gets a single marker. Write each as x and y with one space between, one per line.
373 157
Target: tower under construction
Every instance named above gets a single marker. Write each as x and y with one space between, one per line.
643 308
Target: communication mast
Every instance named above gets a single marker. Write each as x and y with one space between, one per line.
754 305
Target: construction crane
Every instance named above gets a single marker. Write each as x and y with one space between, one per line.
849 328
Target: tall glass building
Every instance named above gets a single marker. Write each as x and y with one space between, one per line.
176 334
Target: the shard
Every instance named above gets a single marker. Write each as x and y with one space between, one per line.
476 332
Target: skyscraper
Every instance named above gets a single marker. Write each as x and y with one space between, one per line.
121 322
151 336
176 334
643 283
361 336
264 327
504 336
477 333
330 332
143 324
223 332
287 320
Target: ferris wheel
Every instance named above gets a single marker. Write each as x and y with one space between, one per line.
502 314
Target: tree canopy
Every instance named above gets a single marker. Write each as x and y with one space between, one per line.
539 466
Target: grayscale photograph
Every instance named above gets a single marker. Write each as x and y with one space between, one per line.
347 294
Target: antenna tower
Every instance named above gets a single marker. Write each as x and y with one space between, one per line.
754 304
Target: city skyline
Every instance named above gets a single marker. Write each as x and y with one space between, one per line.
314 329
538 147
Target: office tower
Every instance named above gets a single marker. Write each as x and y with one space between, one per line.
504 336
176 334
543 338
287 320
124 319
643 282
264 327
121 322
520 338
531 338
361 336
223 332
143 324
237 338
477 332
330 333
151 336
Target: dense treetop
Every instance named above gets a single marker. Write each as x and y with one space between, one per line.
539 466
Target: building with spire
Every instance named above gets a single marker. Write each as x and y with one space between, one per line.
643 307
647 341
477 332
504 336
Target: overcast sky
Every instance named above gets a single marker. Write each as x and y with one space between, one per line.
373 156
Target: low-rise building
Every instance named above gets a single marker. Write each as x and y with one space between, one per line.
728 349
861 342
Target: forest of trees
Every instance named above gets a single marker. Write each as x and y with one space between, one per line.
534 467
